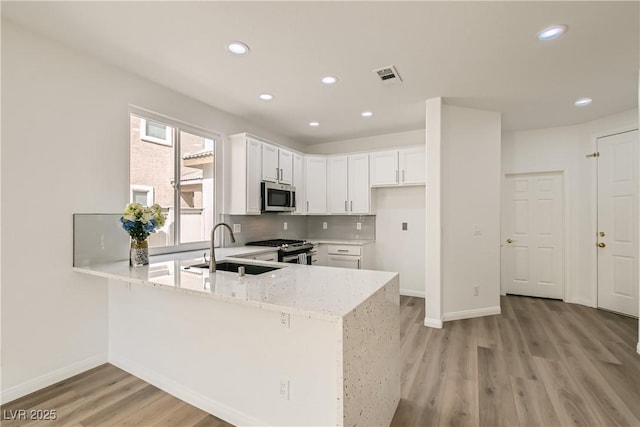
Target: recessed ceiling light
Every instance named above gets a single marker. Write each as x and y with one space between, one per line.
582 102
314 124
238 48
266 96
329 80
367 114
552 32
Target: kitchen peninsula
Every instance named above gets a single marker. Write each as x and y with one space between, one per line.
299 345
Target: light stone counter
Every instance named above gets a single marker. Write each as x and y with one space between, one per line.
341 242
320 292
227 344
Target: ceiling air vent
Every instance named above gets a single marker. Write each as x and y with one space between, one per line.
388 75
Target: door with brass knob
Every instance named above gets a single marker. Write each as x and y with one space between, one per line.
533 228
617 229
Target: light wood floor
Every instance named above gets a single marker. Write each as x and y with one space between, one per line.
540 363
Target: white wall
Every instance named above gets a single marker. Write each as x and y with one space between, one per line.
65 144
398 250
370 143
393 206
470 171
564 149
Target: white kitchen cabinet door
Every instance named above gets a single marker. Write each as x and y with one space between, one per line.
253 176
316 184
270 169
298 183
344 261
285 163
358 183
384 168
412 162
337 191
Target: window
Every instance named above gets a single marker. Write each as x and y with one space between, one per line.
173 165
142 194
159 133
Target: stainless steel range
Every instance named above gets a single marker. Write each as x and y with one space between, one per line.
292 251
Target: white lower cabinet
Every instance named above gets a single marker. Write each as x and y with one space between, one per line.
344 256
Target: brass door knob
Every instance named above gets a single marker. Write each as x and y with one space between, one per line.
601 245
509 241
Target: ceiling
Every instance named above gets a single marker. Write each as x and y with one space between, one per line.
476 54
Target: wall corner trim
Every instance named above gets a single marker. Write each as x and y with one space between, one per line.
433 323
186 394
638 348
38 383
468 314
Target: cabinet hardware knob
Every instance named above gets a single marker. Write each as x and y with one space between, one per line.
601 245
509 241
601 234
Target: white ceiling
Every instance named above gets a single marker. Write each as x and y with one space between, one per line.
476 54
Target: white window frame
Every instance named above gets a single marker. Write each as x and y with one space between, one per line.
168 140
142 188
217 138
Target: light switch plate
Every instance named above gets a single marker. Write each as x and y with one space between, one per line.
358 226
405 226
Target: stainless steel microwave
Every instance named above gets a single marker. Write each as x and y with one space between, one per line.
277 197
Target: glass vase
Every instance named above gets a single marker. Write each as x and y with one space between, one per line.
139 253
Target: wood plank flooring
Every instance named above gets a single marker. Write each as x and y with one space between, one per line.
540 363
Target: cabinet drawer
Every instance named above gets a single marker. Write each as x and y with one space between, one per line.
344 249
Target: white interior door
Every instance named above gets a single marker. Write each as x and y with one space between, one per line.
533 230
618 223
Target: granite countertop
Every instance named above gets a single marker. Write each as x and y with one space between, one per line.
320 292
341 241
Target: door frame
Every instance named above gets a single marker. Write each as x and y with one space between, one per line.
594 206
566 231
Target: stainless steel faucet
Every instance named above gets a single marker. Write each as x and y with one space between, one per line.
212 259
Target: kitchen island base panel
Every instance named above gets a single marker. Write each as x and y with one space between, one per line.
371 359
230 359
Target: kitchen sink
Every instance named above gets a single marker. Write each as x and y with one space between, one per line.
233 267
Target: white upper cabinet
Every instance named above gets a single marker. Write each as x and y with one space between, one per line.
398 167
316 184
285 162
359 189
298 183
277 164
348 184
245 157
384 168
270 168
412 162
337 194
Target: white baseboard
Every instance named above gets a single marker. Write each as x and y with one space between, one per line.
184 393
38 383
433 323
468 314
581 302
412 293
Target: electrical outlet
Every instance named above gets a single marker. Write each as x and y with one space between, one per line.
358 226
405 226
476 230
324 226
285 225
237 228
285 320
476 290
284 389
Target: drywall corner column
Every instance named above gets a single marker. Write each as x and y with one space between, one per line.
638 345
433 253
